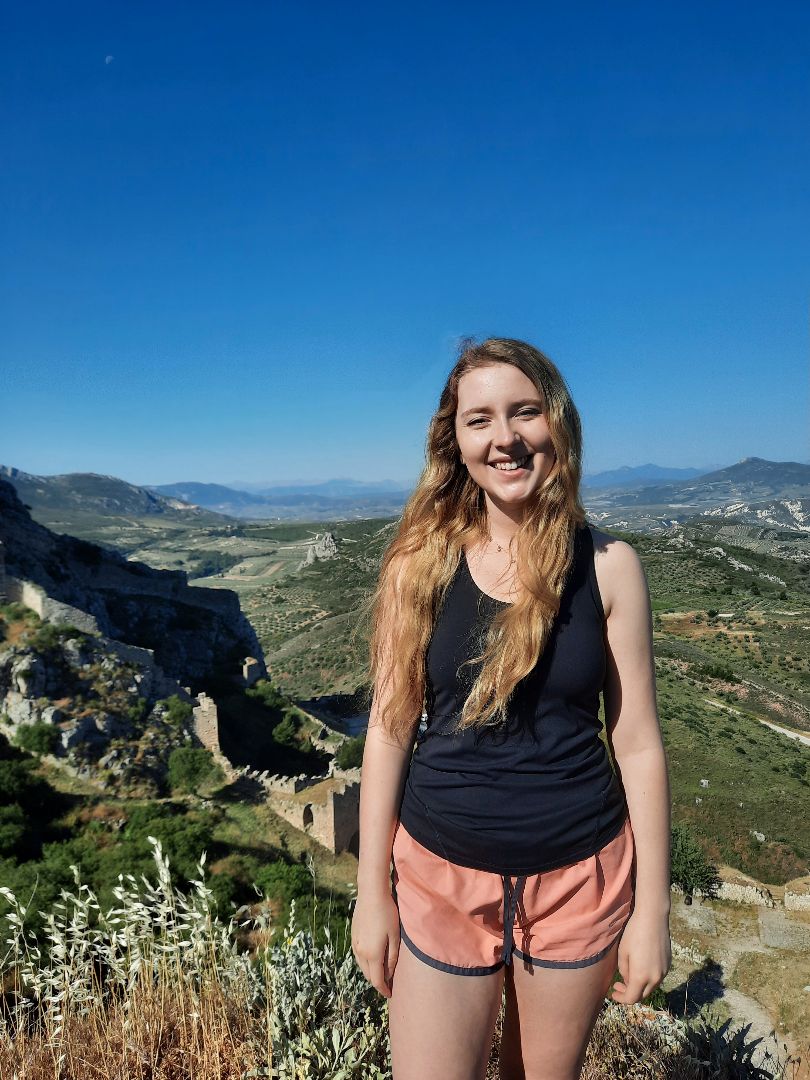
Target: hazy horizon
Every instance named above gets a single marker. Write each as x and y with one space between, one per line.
253 486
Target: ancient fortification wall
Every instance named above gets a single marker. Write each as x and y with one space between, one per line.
48 609
324 807
206 723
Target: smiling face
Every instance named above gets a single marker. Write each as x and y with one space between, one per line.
502 433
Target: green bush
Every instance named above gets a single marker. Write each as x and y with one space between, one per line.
16 611
285 732
178 712
225 889
183 835
22 791
284 881
715 671
137 711
12 829
37 738
350 754
269 695
49 636
690 869
190 767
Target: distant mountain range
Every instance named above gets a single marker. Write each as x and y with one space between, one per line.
632 476
101 496
350 498
752 491
339 487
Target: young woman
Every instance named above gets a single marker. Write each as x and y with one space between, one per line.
521 860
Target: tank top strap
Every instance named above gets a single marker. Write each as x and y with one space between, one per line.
588 547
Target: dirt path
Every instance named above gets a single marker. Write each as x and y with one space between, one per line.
774 727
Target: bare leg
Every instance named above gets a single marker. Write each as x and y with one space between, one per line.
550 1014
441 1025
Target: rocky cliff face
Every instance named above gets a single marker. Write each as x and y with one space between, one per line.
101 713
197 635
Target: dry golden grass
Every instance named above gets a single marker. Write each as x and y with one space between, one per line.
162 1031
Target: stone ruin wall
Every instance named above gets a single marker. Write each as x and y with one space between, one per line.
206 723
334 823
744 894
332 818
48 609
776 928
797 900
797 897
345 810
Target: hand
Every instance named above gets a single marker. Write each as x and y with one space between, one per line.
375 939
645 956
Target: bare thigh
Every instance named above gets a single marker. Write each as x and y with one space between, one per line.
550 1014
441 1025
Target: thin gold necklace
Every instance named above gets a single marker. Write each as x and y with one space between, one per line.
500 547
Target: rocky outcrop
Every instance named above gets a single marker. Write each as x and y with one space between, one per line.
195 634
108 720
324 547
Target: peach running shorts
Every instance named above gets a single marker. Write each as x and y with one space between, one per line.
470 922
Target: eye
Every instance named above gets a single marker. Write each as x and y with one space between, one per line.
526 413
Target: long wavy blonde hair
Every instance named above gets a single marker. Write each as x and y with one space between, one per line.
446 512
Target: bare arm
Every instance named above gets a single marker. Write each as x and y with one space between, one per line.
633 725
375 924
631 716
385 767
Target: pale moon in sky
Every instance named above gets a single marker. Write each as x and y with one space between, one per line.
108 59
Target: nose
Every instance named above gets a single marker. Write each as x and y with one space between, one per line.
505 432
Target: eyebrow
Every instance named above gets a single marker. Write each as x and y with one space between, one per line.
515 404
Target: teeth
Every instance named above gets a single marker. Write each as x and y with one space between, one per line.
510 466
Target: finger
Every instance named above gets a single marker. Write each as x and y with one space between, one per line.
392 955
623 962
377 978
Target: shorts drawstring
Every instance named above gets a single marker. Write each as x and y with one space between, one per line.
511 898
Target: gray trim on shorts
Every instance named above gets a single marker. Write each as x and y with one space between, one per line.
451 968
568 963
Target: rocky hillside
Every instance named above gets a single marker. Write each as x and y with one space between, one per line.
198 636
72 695
752 491
52 498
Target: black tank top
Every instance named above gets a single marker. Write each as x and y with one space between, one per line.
538 792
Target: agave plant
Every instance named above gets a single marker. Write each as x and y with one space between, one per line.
726 1056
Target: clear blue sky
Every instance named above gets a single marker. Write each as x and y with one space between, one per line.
241 240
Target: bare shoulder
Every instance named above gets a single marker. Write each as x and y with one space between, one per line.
618 568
